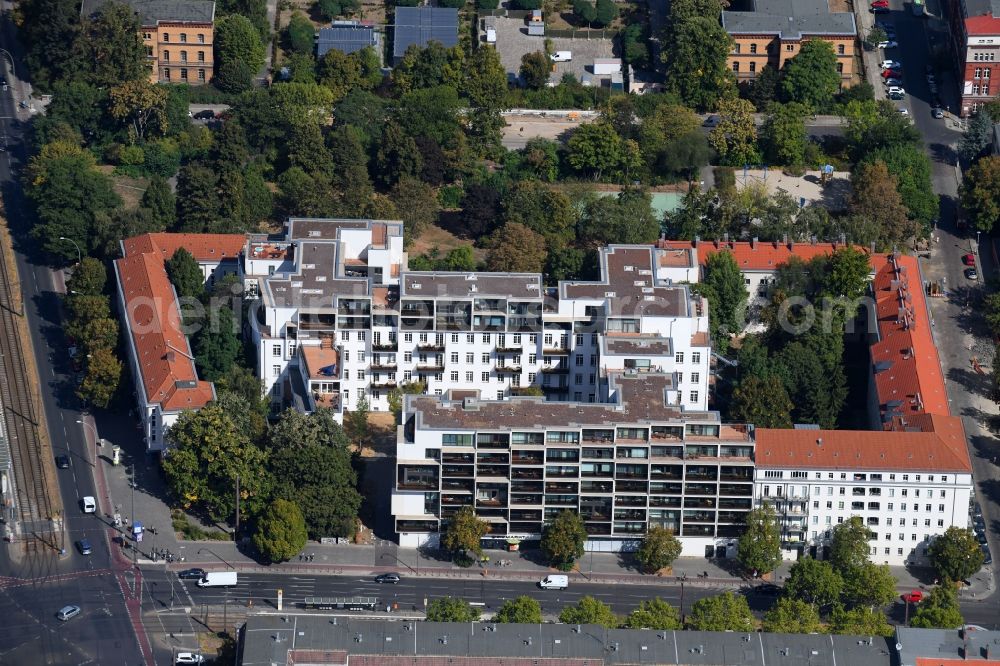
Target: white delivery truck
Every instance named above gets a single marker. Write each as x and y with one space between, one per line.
554 582
218 579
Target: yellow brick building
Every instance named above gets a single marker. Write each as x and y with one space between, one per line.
769 32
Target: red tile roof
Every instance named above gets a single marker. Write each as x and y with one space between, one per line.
982 25
203 247
168 373
758 256
908 376
935 444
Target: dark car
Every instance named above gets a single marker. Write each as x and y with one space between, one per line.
204 115
392 578
768 590
83 545
879 9
971 274
62 462
191 574
896 96
981 538
988 557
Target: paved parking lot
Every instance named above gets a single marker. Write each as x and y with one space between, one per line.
513 42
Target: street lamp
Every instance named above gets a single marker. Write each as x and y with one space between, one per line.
79 259
97 439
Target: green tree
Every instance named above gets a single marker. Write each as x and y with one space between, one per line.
911 166
759 548
281 531
339 72
451 609
141 104
207 453
535 70
762 401
848 271
541 209
727 297
563 539
312 465
89 278
51 33
939 609
515 248
585 10
114 46
300 34
605 13
305 195
254 10
763 89
654 614
814 581
783 136
792 616
331 9
520 610
659 549
859 622
418 205
464 533
627 218
684 156
976 137
397 156
589 610
217 345
101 379
980 193
99 334
185 274
234 76
956 554
876 198
849 547
237 41
695 52
356 425
811 77
596 149
723 612
869 585
735 136
198 201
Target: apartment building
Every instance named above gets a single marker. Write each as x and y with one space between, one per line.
770 32
339 317
160 359
635 461
974 26
178 37
907 486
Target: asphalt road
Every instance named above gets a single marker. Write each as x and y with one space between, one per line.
30 632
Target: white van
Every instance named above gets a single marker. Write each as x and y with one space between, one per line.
554 582
562 56
218 579
89 504
68 612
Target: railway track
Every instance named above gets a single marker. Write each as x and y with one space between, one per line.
35 508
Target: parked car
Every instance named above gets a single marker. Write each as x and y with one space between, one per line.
62 462
988 556
893 82
83 545
896 96
888 44
891 64
879 10
880 3
971 274
390 578
67 613
969 259
191 574
711 121
903 111
892 73
88 504
189 658
204 115
896 90
913 597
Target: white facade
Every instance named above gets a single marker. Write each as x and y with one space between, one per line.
382 326
904 510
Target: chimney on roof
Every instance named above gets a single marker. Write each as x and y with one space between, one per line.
171 356
725 237
753 242
812 239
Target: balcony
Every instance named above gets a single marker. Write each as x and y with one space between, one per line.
526 499
492 458
554 389
456 500
521 473
561 351
600 487
390 346
431 346
431 366
555 370
384 366
458 486
507 369
522 459
491 502
598 529
384 383
493 470
504 349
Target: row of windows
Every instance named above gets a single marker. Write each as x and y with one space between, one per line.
184 55
695 357
183 73
979 57
982 73
841 49
842 490
200 37
875 506
981 90
855 476
753 67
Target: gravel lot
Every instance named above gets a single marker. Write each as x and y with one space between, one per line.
513 42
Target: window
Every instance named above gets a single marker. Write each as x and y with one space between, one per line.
166 37
579 360
275 370
693 397
454 376
361 356
201 75
486 376
201 38
696 357
454 337
679 357
927 522
532 358
361 374
940 507
680 377
753 67
486 338
789 47
533 339
695 377
579 339
470 338
454 357
408 357
184 38
166 58
147 35
407 375
736 66
517 338
753 48
469 376
470 357
347 355
888 522
276 350
978 74
531 377
184 74
362 336
840 49
986 89
486 359
986 73
975 89
407 337
736 47
940 522
840 68
548 339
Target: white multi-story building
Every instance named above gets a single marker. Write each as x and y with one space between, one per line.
907 487
340 317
